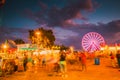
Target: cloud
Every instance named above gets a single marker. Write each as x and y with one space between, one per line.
110 30
61 15
12 33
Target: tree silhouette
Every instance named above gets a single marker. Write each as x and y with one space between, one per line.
19 41
42 37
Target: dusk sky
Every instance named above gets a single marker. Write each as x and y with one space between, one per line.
70 20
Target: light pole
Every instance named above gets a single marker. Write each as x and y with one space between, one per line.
72 49
5 47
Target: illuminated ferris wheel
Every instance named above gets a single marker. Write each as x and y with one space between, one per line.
92 41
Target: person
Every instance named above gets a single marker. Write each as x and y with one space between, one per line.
118 58
30 63
50 62
79 59
83 61
62 63
25 61
16 64
44 61
1 61
4 67
112 57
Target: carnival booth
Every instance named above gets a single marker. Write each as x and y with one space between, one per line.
7 54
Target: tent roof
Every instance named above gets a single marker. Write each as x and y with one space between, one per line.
11 43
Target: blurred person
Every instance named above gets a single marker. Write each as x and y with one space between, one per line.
1 61
16 64
50 62
62 63
44 60
83 61
4 67
118 58
112 58
25 61
36 61
30 63
79 59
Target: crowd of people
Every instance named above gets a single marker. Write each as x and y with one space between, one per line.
53 62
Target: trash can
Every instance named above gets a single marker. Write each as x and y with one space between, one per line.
97 61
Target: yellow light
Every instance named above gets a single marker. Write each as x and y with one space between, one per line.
37 33
72 48
118 48
4 46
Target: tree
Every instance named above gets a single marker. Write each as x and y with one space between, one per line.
42 37
19 41
62 47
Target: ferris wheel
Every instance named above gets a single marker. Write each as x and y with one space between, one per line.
92 41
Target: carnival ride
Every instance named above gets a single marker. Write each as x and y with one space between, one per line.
92 41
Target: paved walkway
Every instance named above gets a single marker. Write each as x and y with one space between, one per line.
104 71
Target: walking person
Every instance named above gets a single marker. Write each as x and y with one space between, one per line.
30 63
112 58
83 61
44 61
79 59
25 61
118 58
62 63
16 64
4 63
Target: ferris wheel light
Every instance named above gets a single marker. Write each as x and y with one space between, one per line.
91 41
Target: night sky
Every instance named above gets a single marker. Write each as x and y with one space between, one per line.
70 20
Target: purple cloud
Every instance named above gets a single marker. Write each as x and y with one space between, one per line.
61 16
13 33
